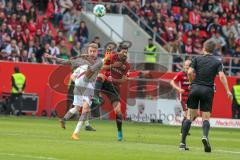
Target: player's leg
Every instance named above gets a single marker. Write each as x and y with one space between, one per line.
68 115
184 107
206 108
192 103
81 120
206 128
88 127
112 92
97 89
191 113
118 112
72 111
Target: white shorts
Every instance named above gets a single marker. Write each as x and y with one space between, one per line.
86 94
78 100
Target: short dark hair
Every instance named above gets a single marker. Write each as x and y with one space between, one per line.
16 69
238 81
123 47
209 45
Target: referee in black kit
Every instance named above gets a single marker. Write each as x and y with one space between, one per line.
206 67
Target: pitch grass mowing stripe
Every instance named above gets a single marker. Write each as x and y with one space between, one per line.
42 137
27 156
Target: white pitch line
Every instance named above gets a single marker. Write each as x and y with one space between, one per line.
233 152
28 156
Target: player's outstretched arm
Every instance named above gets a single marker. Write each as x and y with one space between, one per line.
120 81
190 74
175 86
97 66
58 60
224 81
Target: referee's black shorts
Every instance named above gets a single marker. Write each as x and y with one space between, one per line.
201 95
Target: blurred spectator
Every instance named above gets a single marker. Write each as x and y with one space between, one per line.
40 4
76 49
14 56
45 26
27 36
9 10
13 22
235 65
32 50
82 33
64 52
38 36
2 17
78 6
3 2
189 46
32 14
23 22
65 5
70 23
17 34
41 50
97 41
54 49
59 37
47 38
12 47
24 56
32 26
5 30
19 10
228 28
54 12
220 40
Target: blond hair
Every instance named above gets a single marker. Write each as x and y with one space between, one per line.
92 45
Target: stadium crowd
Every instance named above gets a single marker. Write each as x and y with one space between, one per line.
186 24
53 26
29 30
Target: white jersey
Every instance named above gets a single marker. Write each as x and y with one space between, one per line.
83 90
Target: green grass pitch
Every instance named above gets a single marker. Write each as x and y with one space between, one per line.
29 138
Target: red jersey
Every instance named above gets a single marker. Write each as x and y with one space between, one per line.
184 83
115 72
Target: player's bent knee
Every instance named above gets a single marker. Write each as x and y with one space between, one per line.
83 117
191 114
206 115
85 107
74 110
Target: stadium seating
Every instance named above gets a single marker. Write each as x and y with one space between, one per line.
185 26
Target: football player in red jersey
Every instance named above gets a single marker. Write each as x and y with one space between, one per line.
112 75
182 87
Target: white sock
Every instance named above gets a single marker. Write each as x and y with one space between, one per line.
78 127
87 123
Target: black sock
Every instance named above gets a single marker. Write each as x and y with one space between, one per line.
186 127
119 122
98 86
182 123
206 128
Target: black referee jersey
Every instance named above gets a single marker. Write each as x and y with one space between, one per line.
206 68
